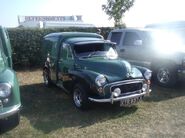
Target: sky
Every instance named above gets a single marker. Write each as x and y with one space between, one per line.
142 13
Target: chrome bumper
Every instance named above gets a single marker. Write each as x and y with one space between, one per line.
13 110
112 99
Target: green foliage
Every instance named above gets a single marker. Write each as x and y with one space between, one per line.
116 8
26 43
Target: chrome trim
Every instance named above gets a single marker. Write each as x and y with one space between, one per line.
13 110
123 82
10 86
111 100
120 84
126 81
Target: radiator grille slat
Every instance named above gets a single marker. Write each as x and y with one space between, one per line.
125 88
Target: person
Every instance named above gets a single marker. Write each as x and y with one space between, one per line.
99 31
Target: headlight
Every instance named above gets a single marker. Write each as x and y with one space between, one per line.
145 87
100 80
5 90
148 74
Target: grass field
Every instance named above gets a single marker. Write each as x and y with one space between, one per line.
48 112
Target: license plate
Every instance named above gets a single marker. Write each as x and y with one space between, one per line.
131 101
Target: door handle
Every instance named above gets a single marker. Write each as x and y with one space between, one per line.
122 50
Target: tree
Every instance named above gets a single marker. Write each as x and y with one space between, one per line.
116 8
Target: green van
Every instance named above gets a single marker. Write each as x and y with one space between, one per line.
87 66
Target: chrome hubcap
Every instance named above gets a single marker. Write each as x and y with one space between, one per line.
77 98
163 75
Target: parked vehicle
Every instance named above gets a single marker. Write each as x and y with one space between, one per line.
162 52
9 88
87 66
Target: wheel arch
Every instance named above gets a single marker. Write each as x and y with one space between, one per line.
79 77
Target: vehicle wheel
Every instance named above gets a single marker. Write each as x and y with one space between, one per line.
15 119
80 97
46 78
9 123
166 76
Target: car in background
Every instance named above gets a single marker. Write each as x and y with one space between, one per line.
10 103
161 51
87 66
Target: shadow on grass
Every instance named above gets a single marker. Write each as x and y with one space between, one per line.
161 93
50 109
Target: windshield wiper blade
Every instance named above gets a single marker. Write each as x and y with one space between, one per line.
91 54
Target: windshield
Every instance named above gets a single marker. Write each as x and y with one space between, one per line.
95 49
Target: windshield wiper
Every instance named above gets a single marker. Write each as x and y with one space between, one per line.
91 54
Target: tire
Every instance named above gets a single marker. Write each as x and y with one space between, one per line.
80 98
46 77
9 123
16 119
166 75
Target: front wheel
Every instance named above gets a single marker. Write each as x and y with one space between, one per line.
166 76
9 123
80 97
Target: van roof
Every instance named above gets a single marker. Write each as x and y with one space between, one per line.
64 35
86 40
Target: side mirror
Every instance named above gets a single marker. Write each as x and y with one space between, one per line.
138 42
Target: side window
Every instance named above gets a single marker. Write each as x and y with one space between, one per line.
116 37
50 46
53 43
47 46
69 51
66 52
63 51
131 39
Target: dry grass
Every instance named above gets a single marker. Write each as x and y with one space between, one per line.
48 112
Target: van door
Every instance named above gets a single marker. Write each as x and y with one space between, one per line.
65 63
53 58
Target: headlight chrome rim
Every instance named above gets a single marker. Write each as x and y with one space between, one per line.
100 80
5 90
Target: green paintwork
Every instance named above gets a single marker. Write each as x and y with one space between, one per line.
114 69
65 67
61 37
6 45
7 75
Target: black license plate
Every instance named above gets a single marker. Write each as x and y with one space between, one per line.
131 101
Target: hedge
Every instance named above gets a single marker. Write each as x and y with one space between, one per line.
26 43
